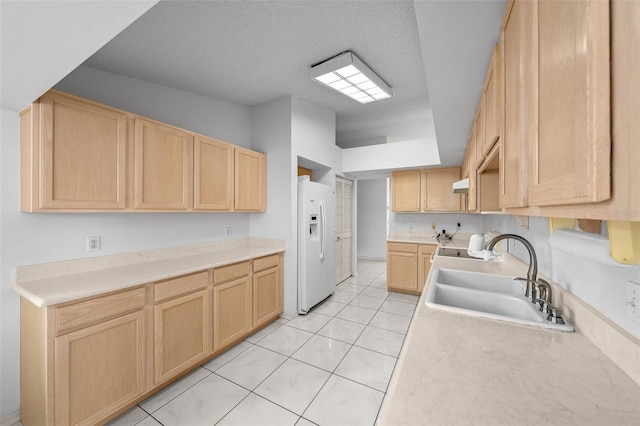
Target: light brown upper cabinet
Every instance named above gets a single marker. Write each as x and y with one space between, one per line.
569 159
478 134
472 167
163 160
73 155
515 43
490 99
405 191
250 180
82 156
426 190
437 190
212 174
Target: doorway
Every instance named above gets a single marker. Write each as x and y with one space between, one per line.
344 219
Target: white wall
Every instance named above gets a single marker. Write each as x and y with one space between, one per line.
372 218
314 137
396 155
285 129
29 238
219 119
469 223
271 134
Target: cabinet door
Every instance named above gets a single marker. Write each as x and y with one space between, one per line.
181 333
424 263
232 316
267 291
83 154
402 267
490 104
338 263
472 195
250 180
518 90
212 174
162 166
478 131
438 189
344 202
99 369
569 160
405 191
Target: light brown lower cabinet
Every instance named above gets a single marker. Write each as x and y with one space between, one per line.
231 311
182 333
425 251
85 362
402 267
99 369
408 266
266 290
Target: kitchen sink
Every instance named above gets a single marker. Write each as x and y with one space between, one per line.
486 295
479 281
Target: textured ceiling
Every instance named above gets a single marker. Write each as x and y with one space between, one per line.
41 41
250 52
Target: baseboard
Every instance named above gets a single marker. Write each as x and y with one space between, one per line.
10 419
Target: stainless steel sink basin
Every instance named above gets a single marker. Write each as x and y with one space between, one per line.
485 295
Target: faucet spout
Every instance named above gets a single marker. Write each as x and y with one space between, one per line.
532 272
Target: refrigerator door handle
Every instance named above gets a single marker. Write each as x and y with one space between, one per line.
323 224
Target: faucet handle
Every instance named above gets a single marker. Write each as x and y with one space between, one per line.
543 289
554 315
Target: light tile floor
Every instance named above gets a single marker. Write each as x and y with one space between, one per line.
330 367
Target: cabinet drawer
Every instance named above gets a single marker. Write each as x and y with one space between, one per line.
100 309
182 285
265 263
403 247
226 273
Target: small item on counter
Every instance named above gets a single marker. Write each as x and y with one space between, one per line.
476 248
476 243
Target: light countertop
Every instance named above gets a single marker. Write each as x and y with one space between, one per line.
461 370
60 282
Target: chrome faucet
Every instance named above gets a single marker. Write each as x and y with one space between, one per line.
543 298
538 290
532 272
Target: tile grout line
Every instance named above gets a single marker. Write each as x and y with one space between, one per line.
332 372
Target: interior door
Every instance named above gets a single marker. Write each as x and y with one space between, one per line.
344 214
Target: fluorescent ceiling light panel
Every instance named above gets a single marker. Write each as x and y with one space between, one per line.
350 76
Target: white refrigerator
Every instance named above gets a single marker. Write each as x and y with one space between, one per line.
316 243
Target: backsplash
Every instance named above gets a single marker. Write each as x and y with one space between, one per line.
421 222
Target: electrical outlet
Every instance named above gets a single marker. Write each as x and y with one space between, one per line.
632 301
410 226
93 243
227 231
